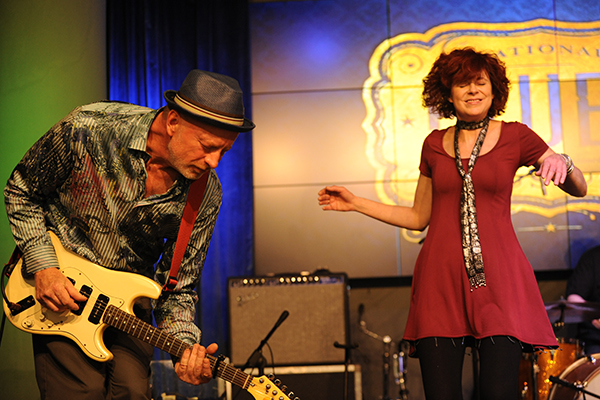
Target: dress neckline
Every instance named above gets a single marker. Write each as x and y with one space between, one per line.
469 155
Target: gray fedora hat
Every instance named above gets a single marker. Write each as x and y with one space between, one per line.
212 98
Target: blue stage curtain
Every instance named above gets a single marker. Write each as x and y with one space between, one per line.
152 45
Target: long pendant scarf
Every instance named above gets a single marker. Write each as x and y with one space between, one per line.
468 214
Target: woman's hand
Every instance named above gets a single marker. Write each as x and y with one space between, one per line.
553 169
336 198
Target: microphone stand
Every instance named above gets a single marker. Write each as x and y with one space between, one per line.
387 344
578 388
256 359
347 348
400 369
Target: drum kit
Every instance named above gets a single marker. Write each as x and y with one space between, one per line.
564 373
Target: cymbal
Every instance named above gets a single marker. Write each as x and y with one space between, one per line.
572 312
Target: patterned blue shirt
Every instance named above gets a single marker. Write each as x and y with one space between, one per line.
85 180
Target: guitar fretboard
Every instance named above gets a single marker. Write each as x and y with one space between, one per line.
145 332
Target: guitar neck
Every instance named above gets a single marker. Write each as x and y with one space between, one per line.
145 332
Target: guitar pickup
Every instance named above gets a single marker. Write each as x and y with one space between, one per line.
24 304
98 310
87 292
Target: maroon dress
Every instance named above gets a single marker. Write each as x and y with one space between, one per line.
442 303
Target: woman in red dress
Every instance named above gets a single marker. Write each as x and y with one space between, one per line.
472 284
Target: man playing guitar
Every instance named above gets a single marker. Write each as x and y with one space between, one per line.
110 180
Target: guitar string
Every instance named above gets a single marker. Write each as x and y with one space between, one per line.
127 323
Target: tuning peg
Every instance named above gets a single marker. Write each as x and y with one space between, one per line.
277 382
291 394
284 388
270 376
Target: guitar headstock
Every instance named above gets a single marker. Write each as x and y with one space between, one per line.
262 388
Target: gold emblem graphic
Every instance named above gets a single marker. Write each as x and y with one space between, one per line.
554 68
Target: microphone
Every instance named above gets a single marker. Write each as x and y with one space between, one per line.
282 318
256 356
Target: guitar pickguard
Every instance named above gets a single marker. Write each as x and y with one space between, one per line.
102 286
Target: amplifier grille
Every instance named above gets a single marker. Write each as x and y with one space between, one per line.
318 317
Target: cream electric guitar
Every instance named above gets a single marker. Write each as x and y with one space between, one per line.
110 298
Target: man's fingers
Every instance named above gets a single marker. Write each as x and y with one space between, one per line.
212 348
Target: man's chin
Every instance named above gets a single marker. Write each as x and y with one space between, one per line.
194 175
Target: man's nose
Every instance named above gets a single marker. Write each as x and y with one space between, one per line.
212 159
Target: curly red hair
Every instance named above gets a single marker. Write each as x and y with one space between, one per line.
463 66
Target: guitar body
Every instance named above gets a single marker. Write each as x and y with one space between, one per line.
106 287
111 296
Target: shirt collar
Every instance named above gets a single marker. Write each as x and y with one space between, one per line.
140 131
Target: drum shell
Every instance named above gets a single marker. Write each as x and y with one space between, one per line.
585 371
546 363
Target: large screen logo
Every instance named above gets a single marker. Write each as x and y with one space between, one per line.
554 68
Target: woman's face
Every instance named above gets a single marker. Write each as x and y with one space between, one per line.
473 99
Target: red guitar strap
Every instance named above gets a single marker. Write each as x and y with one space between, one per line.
192 205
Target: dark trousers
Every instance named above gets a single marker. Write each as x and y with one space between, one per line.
441 361
63 371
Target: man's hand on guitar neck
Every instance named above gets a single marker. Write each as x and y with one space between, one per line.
55 292
193 367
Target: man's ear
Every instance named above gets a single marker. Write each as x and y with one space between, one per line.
173 121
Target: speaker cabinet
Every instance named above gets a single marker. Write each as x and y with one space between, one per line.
318 318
